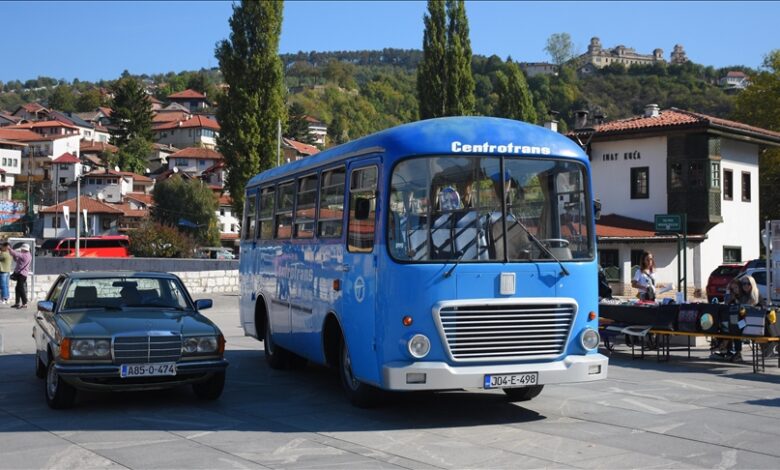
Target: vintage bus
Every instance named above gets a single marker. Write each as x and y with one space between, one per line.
108 246
452 253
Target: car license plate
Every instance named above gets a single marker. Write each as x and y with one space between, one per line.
511 380
147 370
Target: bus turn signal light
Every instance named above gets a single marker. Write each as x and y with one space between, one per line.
336 285
591 316
407 321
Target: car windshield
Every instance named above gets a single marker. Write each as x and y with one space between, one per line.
119 292
448 208
730 271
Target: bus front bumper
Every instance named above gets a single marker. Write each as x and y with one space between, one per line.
442 376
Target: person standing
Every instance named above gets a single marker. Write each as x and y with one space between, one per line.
6 264
23 260
644 279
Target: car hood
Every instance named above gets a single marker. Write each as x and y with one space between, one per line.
131 321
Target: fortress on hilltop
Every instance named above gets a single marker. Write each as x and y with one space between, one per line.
598 57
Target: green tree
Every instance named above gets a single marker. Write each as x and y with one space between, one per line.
430 72
514 98
132 156
154 240
298 126
341 73
560 48
759 105
189 205
254 103
63 99
132 112
89 100
459 100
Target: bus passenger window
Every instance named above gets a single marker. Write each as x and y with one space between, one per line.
331 208
362 210
265 218
249 216
285 197
305 206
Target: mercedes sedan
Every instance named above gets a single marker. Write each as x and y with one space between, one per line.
122 331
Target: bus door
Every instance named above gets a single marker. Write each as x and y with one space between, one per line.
246 266
360 268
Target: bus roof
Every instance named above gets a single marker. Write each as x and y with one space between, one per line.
449 135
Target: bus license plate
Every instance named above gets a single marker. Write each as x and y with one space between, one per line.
511 380
147 370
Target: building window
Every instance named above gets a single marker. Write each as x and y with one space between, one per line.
610 261
675 175
732 254
715 175
640 183
696 174
106 224
745 186
728 185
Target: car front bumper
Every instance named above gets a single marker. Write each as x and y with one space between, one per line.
107 377
442 376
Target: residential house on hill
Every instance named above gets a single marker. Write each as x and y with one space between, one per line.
8 119
158 158
293 150
112 185
102 218
197 131
318 130
10 166
40 150
31 112
214 176
734 81
65 169
193 100
675 162
194 160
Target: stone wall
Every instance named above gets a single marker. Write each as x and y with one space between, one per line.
201 276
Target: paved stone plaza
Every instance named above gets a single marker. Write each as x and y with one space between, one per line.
681 414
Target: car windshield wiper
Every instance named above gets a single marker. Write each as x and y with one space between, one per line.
538 243
166 306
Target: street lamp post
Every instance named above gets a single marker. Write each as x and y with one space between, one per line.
78 216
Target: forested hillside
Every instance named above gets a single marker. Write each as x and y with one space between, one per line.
358 92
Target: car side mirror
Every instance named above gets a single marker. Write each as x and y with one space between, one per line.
46 306
203 304
362 208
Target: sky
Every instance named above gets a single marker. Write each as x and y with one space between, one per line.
98 40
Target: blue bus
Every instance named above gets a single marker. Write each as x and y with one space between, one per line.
451 253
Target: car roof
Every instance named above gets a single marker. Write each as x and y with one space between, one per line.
110 274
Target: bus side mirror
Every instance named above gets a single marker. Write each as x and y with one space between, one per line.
362 208
597 209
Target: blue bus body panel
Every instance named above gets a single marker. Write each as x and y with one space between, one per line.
304 270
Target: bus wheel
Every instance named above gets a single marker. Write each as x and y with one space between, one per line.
523 393
275 356
359 394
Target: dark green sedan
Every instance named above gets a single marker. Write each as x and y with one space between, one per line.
122 331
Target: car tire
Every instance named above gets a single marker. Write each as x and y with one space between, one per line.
276 356
358 393
523 393
296 362
40 367
212 388
59 394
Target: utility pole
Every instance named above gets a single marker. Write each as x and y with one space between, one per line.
278 142
78 216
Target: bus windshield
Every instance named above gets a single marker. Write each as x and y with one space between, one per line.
449 208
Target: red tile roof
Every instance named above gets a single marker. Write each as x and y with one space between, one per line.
31 107
66 158
617 227
197 153
106 111
312 119
97 147
91 205
300 147
22 135
736 74
195 121
225 200
15 144
186 94
169 116
228 236
136 177
217 166
141 197
128 211
43 124
678 119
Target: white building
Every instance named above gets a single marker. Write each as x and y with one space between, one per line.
228 223
40 151
111 186
317 130
197 131
10 166
194 160
676 162
734 80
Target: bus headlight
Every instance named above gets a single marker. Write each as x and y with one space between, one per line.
419 346
590 339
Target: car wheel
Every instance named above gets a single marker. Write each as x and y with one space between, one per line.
275 356
210 389
59 394
40 367
359 394
523 393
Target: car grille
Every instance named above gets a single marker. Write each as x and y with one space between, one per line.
145 349
505 331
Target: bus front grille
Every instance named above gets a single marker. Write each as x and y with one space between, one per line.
506 331
146 349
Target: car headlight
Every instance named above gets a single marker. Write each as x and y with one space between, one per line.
419 346
200 345
590 339
90 348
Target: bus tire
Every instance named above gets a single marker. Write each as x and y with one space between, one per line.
523 393
276 357
358 393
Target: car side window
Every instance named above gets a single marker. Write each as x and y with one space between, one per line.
54 294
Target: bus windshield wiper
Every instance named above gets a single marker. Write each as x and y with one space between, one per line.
462 253
460 257
538 243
